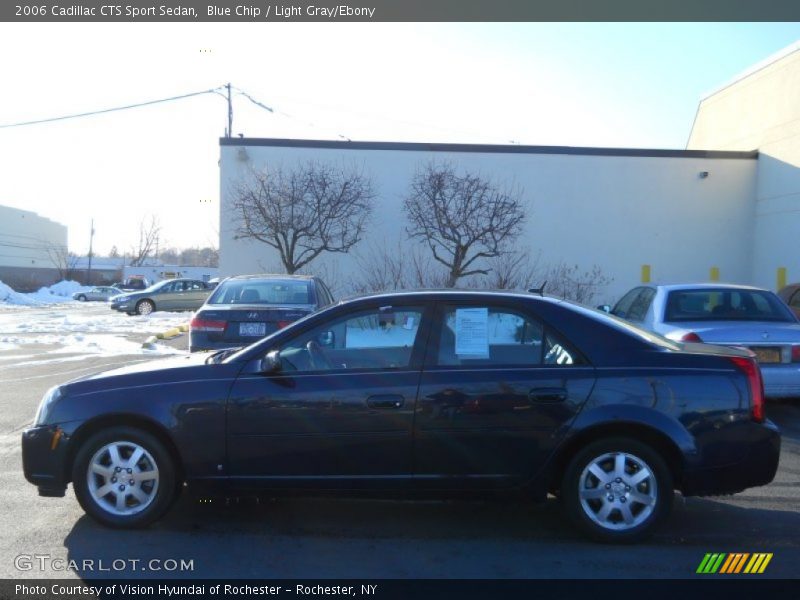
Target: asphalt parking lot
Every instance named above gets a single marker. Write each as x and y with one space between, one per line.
313 538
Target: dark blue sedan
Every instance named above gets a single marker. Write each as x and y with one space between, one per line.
420 393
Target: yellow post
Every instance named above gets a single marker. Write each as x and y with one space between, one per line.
781 277
714 273
645 273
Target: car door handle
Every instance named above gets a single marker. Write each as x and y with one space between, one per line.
547 394
385 401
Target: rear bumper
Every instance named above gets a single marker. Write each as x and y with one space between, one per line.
44 458
756 468
781 381
200 341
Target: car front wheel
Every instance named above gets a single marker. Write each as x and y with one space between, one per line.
617 490
124 477
145 307
81 298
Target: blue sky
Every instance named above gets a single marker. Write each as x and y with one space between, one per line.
624 85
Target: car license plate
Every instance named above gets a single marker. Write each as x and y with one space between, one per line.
767 355
252 329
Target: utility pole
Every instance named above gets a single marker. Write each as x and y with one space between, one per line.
229 132
89 269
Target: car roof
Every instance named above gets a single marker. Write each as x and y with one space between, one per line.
451 293
282 276
668 287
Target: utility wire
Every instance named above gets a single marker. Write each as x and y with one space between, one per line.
108 110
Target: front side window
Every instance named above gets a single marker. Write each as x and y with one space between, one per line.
378 338
489 336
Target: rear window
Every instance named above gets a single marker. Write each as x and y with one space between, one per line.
725 305
250 291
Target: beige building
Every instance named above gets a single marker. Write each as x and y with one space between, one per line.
727 207
33 249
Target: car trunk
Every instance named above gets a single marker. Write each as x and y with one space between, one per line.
248 323
771 341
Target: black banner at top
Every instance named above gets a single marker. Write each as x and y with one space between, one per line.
397 10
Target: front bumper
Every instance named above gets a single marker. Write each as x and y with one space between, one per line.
44 458
757 467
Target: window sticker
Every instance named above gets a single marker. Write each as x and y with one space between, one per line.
472 332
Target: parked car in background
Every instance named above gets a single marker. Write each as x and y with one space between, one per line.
246 308
100 293
423 393
170 295
791 295
731 315
132 284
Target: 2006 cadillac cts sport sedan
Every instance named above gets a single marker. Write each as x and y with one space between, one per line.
419 393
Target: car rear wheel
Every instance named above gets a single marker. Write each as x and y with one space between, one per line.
617 490
124 477
81 298
145 307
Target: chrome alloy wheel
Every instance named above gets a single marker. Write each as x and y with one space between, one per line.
618 491
145 307
122 478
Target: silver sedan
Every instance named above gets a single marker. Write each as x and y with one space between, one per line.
98 294
729 315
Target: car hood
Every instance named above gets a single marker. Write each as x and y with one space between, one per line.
740 332
168 370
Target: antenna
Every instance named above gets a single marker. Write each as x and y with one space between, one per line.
539 290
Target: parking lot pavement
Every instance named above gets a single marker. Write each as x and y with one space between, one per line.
313 538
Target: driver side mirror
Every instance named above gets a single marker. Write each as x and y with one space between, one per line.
604 308
271 363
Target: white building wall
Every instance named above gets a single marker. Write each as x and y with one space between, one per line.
25 238
760 110
618 212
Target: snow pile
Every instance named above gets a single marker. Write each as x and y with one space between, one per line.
53 294
11 297
75 318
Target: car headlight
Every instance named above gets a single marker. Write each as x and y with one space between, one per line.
45 406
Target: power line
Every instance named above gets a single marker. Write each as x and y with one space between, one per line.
108 110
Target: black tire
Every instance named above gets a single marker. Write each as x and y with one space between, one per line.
140 307
81 298
160 496
588 515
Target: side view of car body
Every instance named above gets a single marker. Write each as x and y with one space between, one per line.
246 308
96 294
730 315
169 295
791 295
421 394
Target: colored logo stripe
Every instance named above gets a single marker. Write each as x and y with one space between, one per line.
724 563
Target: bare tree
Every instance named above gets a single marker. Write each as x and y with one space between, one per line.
463 218
385 268
569 282
304 211
62 259
514 270
149 233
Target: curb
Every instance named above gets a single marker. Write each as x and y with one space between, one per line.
166 335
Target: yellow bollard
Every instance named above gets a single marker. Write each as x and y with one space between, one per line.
781 277
645 273
714 273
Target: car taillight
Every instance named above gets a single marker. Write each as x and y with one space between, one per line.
282 324
749 367
691 336
795 353
199 324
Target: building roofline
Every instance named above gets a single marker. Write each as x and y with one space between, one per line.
485 148
753 69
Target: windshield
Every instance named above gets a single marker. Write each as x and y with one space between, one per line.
725 304
255 291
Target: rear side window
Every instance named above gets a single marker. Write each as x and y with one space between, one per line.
494 336
641 304
794 301
623 307
725 305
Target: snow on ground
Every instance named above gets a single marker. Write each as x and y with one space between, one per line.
53 294
57 320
